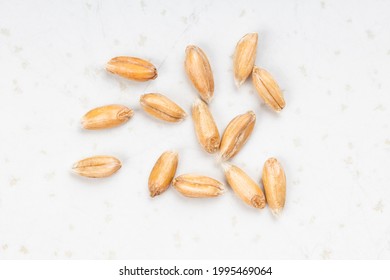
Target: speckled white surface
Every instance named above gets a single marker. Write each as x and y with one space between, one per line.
332 60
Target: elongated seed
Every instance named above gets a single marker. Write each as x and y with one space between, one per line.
244 186
191 185
244 57
162 173
106 117
268 89
205 128
132 68
198 70
97 166
274 181
236 134
161 107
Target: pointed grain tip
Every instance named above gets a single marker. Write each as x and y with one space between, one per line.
153 191
189 48
276 212
218 159
73 168
252 114
226 166
209 98
222 190
197 101
238 82
108 67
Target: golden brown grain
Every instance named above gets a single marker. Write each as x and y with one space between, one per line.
162 173
198 70
132 68
191 185
205 127
268 89
274 181
244 186
244 57
236 134
106 117
97 166
161 107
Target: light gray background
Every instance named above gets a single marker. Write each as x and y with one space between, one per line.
332 60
